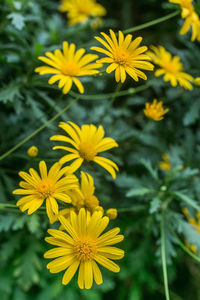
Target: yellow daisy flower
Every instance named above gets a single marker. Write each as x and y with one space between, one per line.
49 186
67 66
124 56
79 11
84 196
165 164
155 111
83 247
87 142
171 67
191 18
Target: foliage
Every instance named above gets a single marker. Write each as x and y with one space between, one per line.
141 190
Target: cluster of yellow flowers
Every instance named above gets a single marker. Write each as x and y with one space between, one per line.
83 245
192 20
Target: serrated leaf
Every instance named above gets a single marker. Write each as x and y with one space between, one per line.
187 200
10 93
147 164
17 20
33 223
154 205
192 114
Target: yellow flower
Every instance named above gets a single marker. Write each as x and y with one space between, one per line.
84 196
32 151
87 142
111 213
197 81
155 111
191 18
83 247
79 11
170 67
124 56
67 66
49 186
165 164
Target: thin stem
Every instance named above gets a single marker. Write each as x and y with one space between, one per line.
140 133
152 23
38 130
135 208
163 255
130 91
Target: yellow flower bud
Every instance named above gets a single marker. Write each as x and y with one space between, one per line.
111 213
32 151
197 81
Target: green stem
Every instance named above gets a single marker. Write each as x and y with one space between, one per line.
130 91
152 23
141 132
135 208
163 255
38 130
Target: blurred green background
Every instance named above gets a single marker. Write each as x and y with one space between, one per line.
28 29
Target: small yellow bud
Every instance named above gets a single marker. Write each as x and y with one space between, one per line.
32 151
111 213
197 81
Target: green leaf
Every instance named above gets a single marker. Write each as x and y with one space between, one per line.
192 114
186 199
154 205
139 192
17 20
147 164
10 93
33 223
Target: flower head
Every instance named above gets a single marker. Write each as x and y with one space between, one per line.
155 111
170 67
87 142
32 151
165 164
83 247
84 196
192 20
49 186
79 11
124 56
67 66
111 213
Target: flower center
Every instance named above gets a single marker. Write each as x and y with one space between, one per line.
70 69
83 9
171 68
85 249
91 202
87 151
121 57
45 189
